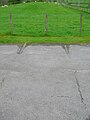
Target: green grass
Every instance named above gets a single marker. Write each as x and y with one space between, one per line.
29 24
10 39
29 19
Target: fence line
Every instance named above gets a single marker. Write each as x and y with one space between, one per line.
80 23
46 24
11 24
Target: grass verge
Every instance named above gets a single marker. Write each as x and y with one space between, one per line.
10 39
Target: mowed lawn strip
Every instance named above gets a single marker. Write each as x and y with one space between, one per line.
43 40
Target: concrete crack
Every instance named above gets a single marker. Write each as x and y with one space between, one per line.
21 48
66 48
78 85
88 118
80 92
2 81
62 96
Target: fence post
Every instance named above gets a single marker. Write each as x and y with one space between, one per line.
46 24
11 24
80 23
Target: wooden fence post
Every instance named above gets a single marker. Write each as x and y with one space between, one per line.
46 24
80 23
11 24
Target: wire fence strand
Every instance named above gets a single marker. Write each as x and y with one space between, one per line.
55 24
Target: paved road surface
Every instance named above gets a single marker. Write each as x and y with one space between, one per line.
41 82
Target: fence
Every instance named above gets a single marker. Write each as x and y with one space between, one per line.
45 24
83 5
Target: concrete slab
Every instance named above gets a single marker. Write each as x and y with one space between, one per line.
49 82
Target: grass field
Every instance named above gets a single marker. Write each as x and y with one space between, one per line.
29 19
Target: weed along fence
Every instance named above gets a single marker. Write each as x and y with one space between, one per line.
45 24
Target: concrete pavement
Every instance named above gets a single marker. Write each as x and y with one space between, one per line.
45 82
